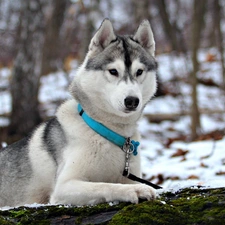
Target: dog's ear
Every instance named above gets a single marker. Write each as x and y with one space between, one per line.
104 35
144 36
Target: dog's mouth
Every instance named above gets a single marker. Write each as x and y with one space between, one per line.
127 111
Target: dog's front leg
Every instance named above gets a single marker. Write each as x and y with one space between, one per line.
77 192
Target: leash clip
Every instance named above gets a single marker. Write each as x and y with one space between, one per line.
131 146
128 146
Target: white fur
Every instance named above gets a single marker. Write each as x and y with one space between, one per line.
42 181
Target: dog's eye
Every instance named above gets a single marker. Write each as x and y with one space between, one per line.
114 72
139 72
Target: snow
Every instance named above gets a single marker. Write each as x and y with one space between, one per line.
204 160
194 168
203 164
53 89
34 205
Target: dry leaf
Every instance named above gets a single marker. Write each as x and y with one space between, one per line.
180 152
210 57
220 173
203 165
193 177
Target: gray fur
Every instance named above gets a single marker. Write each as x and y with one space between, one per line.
54 139
123 47
15 172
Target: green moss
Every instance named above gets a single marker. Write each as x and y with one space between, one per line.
187 206
4 221
47 214
153 212
200 206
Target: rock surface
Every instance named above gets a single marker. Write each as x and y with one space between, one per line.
186 206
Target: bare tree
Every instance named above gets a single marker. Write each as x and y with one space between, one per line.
140 10
217 15
199 7
172 32
27 69
89 10
51 60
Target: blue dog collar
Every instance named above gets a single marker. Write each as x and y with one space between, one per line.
110 135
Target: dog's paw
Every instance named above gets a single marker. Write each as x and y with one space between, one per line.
139 191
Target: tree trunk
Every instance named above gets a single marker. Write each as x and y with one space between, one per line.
88 28
187 206
218 24
197 26
140 11
27 68
87 34
171 30
51 60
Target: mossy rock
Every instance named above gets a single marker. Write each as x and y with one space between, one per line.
187 206
149 213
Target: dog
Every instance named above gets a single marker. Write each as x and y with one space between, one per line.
65 160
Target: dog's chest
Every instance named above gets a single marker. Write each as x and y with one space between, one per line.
106 166
98 161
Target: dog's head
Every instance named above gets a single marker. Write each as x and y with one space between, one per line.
118 74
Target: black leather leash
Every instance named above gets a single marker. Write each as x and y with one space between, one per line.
138 179
128 149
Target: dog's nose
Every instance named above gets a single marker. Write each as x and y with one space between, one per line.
131 102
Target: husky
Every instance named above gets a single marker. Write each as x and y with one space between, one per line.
66 160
